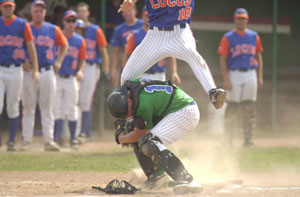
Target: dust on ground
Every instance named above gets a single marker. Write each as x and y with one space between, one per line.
223 183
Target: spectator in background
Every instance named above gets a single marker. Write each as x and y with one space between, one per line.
119 40
96 46
113 18
242 69
44 93
69 76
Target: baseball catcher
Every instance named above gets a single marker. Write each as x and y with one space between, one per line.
151 115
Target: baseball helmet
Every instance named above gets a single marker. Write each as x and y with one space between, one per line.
117 102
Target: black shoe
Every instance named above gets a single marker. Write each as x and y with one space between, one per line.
11 147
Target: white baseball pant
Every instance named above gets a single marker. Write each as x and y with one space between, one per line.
11 79
67 95
179 43
44 94
155 76
172 127
91 75
244 86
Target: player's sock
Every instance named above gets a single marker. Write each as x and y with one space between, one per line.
0 130
72 127
90 124
13 127
58 127
84 120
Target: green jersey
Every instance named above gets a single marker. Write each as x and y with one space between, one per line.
153 100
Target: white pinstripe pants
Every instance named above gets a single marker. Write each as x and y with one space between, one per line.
172 127
179 43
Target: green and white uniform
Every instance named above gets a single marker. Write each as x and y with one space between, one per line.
181 116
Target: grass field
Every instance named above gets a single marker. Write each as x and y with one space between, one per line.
269 169
270 159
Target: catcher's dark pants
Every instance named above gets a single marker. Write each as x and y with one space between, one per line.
145 162
240 114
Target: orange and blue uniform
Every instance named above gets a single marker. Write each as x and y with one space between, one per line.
13 35
240 49
76 51
94 38
47 37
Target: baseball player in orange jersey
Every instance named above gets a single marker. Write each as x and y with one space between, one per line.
15 38
119 40
96 48
169 35
158 70
69 76
242 69
46 37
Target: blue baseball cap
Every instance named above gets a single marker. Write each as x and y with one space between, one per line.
70 13
39 2
8 2
241 13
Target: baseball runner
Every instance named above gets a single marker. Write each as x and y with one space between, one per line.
96 48
242 69
119 40
46 37
169 34
69 75
158 70
158 113
15 38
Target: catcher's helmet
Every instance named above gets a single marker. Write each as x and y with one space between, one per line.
117 102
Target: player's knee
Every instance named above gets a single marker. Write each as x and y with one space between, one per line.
232 109
13 110
148 145
84 106
249 109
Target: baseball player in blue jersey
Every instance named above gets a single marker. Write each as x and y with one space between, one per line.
46 37
169 35
119 40
242 69
158 70
69 76
96 49
15 38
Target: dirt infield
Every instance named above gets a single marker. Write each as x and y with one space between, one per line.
79 184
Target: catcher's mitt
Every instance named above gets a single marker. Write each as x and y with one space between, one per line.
217 97
117 187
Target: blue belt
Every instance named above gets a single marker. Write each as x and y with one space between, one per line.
90 63
10 65
168 28
65 76
48 67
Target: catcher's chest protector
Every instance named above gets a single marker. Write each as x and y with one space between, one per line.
135 88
